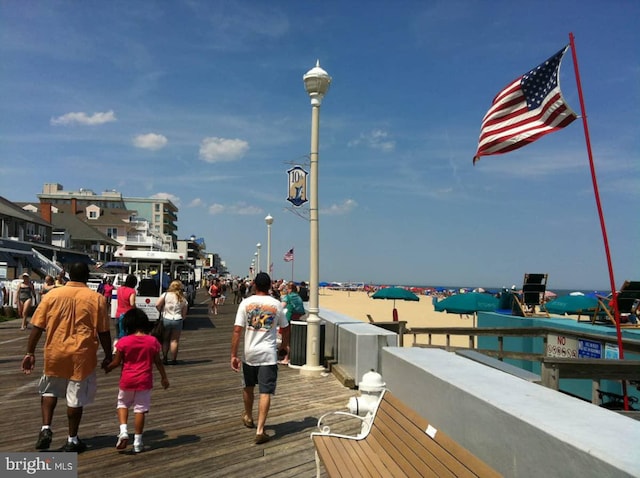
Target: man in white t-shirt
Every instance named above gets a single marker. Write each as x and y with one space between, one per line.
259 316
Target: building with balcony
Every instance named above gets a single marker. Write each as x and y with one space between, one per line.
136 223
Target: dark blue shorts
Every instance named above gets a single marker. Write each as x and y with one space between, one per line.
265 376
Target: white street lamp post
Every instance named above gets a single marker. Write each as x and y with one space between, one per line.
258 245
316 82
255 264
269 221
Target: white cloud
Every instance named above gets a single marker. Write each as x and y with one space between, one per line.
336 209
376 139
171 197
150 141
240 208
215 149
197 202
84 119
216 209
245 209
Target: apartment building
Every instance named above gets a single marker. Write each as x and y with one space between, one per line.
138 222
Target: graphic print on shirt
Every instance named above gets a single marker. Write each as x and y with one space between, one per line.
261 316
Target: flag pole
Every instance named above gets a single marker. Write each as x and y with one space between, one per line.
614 294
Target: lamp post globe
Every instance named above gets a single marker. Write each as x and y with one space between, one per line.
269 220
316 83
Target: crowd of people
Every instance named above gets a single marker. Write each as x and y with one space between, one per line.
264 312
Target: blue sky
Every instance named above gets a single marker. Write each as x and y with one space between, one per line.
203 102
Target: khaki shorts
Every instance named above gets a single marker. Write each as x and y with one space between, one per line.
78 394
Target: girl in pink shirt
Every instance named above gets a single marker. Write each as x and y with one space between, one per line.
137 352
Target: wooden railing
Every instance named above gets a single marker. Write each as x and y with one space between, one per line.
552 368
629 345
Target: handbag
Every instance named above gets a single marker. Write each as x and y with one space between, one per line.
158 328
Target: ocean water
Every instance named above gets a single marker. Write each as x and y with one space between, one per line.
496 290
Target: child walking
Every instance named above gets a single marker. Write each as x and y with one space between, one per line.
137 352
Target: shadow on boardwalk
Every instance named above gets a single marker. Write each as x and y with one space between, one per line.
194 428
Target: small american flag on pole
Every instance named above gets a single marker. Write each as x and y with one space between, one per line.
288 256
525 110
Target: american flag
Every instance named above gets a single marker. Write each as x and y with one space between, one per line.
525 110
288 257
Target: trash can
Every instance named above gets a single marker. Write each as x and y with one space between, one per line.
298 343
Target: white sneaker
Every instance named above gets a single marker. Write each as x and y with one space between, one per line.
138 447
123 439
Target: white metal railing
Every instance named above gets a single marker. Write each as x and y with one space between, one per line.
45 264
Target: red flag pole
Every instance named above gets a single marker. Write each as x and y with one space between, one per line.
614 293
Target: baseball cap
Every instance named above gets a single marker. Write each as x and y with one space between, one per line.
25 274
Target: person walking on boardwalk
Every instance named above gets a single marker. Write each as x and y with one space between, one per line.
259 316
137 352
74 318
25 296
126 296
173 306
214 292
294 307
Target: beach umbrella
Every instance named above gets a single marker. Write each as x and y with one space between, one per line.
572 304
468 303
395 293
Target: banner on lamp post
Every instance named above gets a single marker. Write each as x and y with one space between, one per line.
297 186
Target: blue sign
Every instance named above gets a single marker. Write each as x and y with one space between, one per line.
297 186
611 352
589 349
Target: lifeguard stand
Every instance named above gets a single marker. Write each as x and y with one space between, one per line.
533 288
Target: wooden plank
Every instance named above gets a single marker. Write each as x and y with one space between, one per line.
367 466
475 464
398 446
442 460
601 369
419 461
425 454
325 448
194 428
391 466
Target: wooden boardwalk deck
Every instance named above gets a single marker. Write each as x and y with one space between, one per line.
194 428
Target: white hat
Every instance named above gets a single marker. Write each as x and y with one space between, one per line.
25 274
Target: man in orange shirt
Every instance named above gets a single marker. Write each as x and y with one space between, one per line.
75 318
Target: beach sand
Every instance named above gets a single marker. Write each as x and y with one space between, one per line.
417 314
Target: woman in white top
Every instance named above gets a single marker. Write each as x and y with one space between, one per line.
173 307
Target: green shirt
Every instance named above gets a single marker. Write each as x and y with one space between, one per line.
294 304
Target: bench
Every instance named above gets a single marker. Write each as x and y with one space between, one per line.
394 442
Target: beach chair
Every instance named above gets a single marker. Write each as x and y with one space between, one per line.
533 288
628 294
